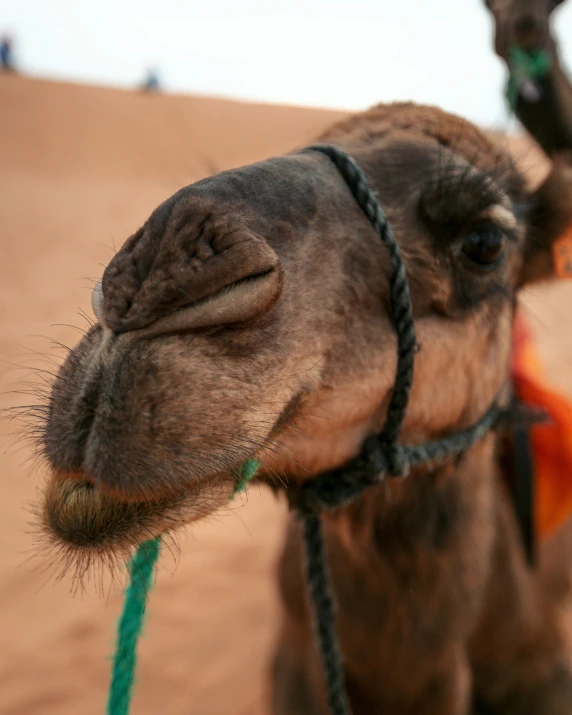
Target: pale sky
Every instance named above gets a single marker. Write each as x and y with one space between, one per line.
346 54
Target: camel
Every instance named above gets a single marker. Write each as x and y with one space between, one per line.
543 103
249 317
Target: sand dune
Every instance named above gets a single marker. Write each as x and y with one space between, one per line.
80 169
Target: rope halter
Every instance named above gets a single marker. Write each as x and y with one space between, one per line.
381 456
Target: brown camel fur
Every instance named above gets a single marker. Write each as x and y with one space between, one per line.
545 109
249 316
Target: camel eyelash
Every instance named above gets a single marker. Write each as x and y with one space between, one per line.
455 183
457 197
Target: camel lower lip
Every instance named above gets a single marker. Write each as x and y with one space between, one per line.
78 517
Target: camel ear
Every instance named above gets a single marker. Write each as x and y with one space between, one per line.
550 219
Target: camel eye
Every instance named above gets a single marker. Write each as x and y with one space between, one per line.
484 247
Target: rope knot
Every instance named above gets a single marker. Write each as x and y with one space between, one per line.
385 457
398 464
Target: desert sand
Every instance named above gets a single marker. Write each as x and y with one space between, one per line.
80 169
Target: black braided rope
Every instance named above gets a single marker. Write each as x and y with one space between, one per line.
380 455
341 486
324 610
399 297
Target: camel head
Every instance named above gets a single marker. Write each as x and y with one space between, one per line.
522 23
249 317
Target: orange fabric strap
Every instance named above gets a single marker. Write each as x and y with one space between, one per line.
551 441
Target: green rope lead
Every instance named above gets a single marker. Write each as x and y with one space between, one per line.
534 65
141 570
247 472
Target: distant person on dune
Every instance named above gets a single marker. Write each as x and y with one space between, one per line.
151 83
6 58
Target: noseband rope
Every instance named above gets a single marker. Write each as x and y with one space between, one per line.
381 456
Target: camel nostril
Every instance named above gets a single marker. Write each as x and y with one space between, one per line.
97 302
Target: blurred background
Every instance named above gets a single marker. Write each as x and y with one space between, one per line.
107 108
344 54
